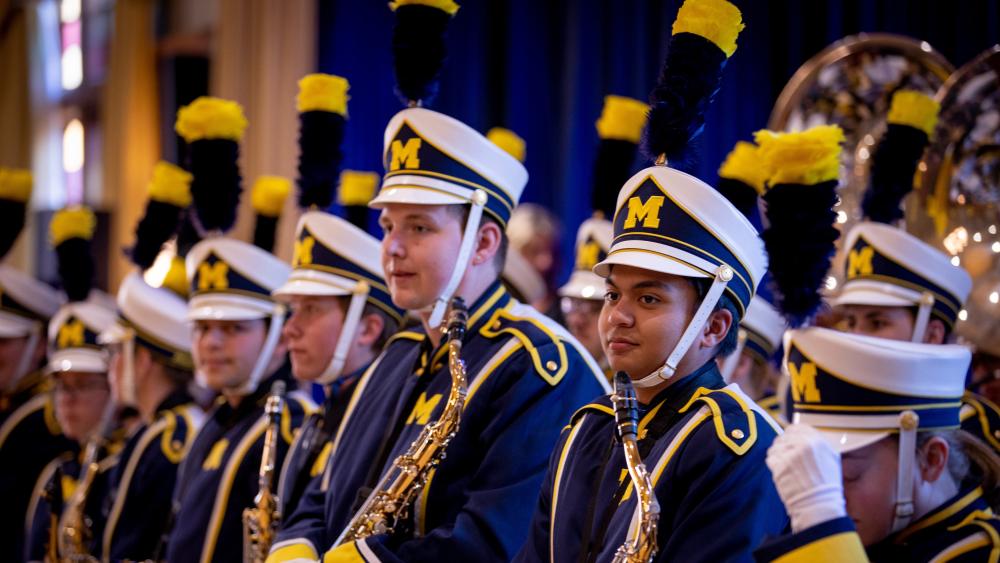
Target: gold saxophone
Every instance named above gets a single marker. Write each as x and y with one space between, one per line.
640 546
390 501
74 525
260 523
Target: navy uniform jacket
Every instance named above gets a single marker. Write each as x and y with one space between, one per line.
219 475
67 470
704 445
141 485
30 438
311 448
526 375
981 418
962 529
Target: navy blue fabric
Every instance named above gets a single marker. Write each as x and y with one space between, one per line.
542 69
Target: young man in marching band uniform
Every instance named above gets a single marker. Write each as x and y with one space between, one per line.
875 466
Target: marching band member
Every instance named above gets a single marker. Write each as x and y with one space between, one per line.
151 369
682 269
895 285
875 466
236 346
70 490
30 436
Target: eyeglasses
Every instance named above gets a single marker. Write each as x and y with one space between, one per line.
571 305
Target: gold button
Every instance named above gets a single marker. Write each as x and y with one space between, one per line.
177 444
738 434
550 365
496 325
996 433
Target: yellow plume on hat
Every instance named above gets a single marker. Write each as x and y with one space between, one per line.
509 141
356 187
170 184
15 184
176 277
323 92
915 109
622 119
269 195
447 6
211 118
744 163
716 20
805 157
72 222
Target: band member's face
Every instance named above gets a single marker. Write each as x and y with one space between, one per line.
225 351
643 318
11 351
870 488
80 400
311 333
582 316
894 323
419 247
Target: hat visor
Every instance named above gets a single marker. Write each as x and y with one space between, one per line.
90 361
869 296
14 326
114 334
415 195
228 308
645 260
583 285
308 287
849 440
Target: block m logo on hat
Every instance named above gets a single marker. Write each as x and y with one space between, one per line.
405 155
646 213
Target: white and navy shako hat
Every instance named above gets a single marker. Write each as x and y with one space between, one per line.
763 326
671 222
886 266
156 317
856 389
593 242
74 335
331 257
433 159
25 303
232 280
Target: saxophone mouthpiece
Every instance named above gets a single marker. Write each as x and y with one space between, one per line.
626 407
457 319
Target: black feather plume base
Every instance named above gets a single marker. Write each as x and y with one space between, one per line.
76 268
11 223
216 186
156 227
357 215
264 230
419 50
800 245
687 84
321 134
895 164
612 168
187 234
743 197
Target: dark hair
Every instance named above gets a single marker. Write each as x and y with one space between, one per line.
500 258
728 343
389 324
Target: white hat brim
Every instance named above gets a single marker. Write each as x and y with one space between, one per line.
114 334
870 296
90 361
13 326
414 195
647 261
307 287
228 308
849 440
583 285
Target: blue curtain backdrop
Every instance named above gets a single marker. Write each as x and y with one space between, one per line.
542 68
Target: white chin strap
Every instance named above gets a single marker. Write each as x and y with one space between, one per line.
348 331
24 364
722 277
908 422
128 397
732 360
264 358
478 202
923 317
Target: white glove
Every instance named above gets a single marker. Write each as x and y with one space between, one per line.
806 472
